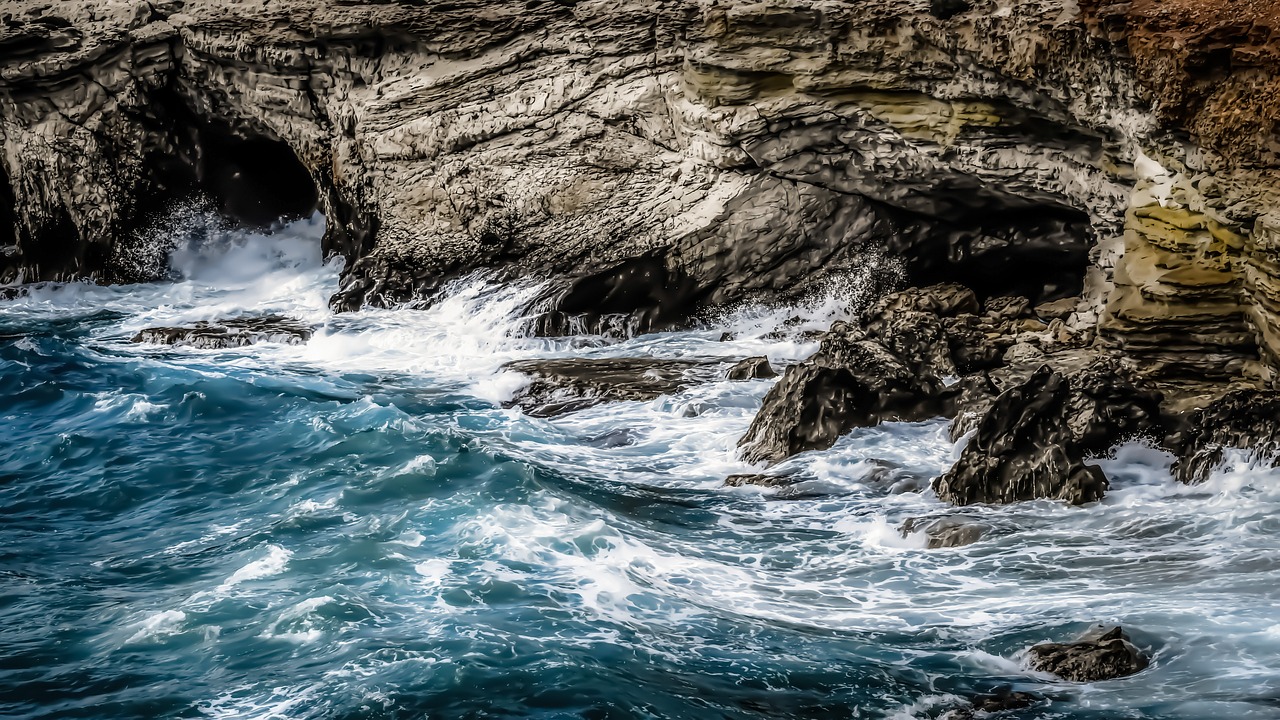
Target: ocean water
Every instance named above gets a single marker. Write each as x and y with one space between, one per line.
354 528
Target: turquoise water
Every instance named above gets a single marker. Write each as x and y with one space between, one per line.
355 529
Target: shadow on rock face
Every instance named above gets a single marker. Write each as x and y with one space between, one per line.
229 333
1100 654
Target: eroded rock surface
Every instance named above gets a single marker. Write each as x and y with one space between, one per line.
229 333
1101 654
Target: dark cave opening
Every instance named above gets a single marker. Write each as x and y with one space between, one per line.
1039 251
8 229
252 178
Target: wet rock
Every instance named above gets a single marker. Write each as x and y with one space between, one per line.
850 382
1033 440
229 333
565 385
946 532
12 292
1100 654
761 479
1000 700
753 368
1247 420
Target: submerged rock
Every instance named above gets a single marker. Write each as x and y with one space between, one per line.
761 479
229 333
753 368
946 532
1033 440
1100 654
1248 420
566 385
1000 700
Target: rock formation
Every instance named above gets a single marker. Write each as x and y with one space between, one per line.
1101 654
566 385
656 158
1095 174
229 333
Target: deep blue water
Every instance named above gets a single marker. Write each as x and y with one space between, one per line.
355 529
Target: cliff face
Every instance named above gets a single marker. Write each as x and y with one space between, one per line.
657 158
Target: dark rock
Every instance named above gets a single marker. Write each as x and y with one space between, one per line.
1248 420
850 382
12 292
229 333
567 385
947 9
1033 440
761 479
946 532
1000 700
753 368
1100 654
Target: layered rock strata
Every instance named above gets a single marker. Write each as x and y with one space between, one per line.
653 158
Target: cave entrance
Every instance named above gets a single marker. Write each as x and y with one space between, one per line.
242 175
250 177
1039 251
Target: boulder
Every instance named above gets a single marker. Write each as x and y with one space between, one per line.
850 382
1247 420
565 385
229 333
753 368
1033 440
1100 654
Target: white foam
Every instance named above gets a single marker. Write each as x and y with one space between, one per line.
165 622
277 558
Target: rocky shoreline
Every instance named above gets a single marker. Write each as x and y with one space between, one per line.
1058 221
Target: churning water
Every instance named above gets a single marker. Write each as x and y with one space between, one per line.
354 528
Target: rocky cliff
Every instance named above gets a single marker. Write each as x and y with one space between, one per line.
657 158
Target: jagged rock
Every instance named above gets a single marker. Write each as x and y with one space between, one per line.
753 368
946 532
565 385
1100 654
12 292
1248 420
1033 440
850 382
229 333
